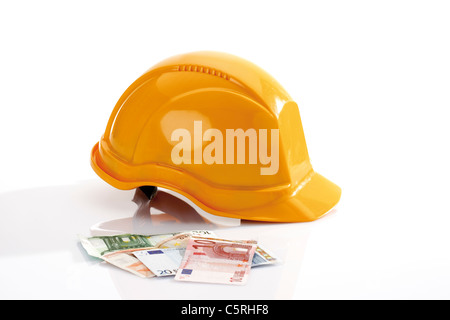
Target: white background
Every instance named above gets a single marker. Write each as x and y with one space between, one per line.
372 80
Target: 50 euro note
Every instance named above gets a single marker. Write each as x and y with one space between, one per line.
128 262
216 261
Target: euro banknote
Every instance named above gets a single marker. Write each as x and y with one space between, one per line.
261 257
216 261
99 245
179 240
161 262
128 262
118 249
160 254
166 261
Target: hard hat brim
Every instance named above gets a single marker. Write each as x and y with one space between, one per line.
312 199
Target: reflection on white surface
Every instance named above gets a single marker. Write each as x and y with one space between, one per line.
53 275
165 213
356 252
168 213
43 258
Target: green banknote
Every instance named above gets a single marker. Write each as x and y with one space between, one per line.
99 245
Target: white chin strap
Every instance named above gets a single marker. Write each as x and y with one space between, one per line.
218 220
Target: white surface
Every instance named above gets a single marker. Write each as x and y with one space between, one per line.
372 83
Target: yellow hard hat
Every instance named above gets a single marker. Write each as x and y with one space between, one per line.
219 131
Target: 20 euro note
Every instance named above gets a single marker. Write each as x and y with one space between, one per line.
216 261
151 262
130 261
161 262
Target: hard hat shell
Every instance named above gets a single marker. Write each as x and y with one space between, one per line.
222 92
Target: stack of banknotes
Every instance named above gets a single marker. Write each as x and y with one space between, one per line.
196 255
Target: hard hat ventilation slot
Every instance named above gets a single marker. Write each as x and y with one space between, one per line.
202 69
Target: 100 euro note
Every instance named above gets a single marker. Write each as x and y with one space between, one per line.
216 261
99 245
